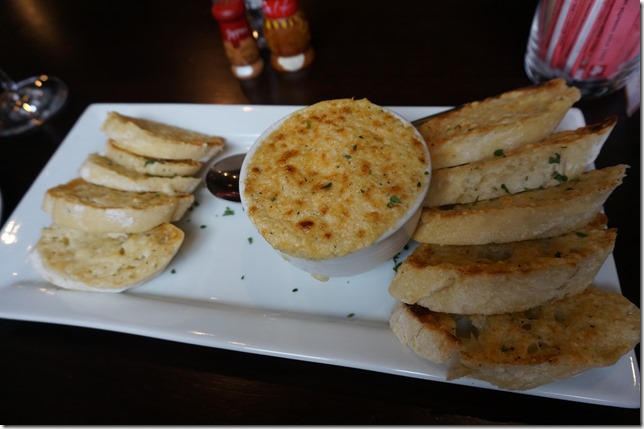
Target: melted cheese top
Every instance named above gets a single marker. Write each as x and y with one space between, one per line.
333 178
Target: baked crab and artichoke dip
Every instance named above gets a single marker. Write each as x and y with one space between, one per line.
333 178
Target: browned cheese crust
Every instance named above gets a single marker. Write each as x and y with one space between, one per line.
333 177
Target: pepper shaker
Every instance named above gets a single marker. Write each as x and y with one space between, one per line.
287 35
240 45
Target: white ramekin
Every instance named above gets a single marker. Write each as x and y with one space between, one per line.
390 243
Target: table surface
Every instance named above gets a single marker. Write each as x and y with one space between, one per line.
414 53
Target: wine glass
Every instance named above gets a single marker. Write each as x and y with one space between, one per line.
29 103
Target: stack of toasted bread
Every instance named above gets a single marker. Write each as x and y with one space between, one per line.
112 226
510 240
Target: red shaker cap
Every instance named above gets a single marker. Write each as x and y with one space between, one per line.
279 8
226 10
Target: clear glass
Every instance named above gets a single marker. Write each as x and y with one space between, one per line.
592 44
29 103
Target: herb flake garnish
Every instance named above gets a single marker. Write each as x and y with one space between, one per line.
229 211
393 200
555 159
327 186
559 177
499 152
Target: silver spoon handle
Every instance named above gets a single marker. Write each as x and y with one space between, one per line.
420 121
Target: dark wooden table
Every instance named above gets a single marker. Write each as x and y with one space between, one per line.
415 53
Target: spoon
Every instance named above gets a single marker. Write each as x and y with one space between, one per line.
222 178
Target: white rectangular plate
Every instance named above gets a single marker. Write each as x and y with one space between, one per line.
227 288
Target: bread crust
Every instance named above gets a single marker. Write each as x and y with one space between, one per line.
157 140
93 208
501 278
475 130
100 170
562 156
79 260
524 350
528 215
431 335
149 165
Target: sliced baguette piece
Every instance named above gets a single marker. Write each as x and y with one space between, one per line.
537 213
475 130
82 205
501 278
151 166
524 350
79 260
100 170
158 140
562 156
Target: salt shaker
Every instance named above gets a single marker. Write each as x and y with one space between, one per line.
240 45
287 35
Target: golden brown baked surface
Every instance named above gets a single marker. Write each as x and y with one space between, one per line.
151 166
512 237
536 213
334 177
158 140
476 130
111 227
524 350
503 278
560 157
94 208
79 260
101 170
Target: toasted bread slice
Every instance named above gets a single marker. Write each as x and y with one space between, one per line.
476 130
500 278
79 260
94 208
100 170
524 350
158 140
560 157
151 166
526 215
